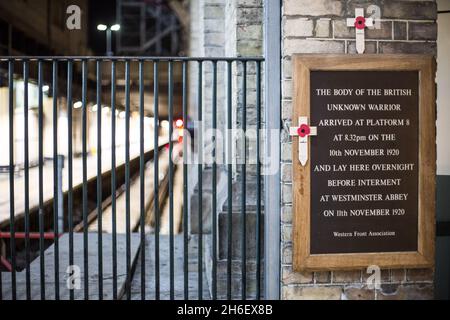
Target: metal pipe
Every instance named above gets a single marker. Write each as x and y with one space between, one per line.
171 169
31 235
200 183
113 177
214 185
185 188
142 175
243 187
258 181
99 180
56 196
129 58
156 175
272 116
70 167
27 181
229 182
85 194
41 179
127 178
108 42
12 228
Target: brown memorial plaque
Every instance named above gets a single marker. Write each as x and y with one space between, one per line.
364 161
365 194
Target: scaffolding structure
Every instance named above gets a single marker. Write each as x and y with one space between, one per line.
148 27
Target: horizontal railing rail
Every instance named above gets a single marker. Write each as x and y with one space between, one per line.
129 58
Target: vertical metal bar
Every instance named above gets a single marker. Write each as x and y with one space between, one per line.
200 183
108 42
185 188
113 177
258 181
85 195
11 177
27 180
230 176
70 166
60 193
214 185
171 235
99 180
156 175
127 178
55 175
243 186
141 175
272 123
41 179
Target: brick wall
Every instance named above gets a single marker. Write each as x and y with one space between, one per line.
230 28
318 26
244 38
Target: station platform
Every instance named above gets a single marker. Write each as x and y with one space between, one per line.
19 181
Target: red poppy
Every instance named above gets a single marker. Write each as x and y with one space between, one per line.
360 22
303 130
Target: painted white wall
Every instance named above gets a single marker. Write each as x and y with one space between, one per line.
443 90
4 127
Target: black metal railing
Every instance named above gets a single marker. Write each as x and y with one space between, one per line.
33 235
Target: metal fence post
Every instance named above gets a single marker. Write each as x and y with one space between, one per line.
272 192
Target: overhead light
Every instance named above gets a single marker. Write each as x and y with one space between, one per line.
122 114
115 27
101 27
179 123
45 88
77 105
94 108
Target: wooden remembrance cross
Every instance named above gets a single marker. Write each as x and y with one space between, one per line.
364 161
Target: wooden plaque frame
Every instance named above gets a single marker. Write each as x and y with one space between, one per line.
303 260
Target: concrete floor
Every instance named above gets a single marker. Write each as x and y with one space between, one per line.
165 271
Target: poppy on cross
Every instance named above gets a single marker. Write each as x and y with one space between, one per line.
303 131
360 23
